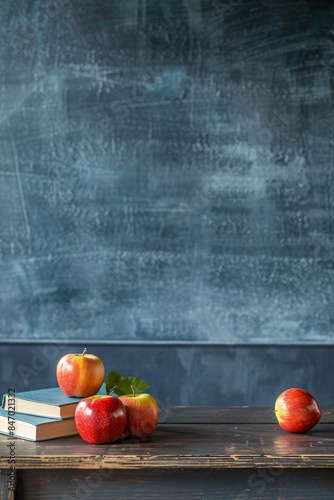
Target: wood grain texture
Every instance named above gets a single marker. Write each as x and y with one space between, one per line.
200 453
6 492
166 171
229 415
239 444
179 484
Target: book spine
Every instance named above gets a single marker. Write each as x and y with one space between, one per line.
3 401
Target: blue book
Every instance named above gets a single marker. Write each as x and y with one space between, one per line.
32 428
50 403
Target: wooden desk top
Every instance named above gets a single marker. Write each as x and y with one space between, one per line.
190 437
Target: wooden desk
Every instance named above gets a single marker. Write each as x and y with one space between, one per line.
197 453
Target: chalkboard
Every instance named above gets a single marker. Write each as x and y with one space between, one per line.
166 171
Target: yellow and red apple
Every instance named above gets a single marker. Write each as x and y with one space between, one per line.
142 414
80 375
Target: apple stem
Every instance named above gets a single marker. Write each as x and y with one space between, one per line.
133 391
84 351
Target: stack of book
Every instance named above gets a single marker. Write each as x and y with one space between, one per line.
38 415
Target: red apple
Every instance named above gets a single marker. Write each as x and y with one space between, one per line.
143 414
100 418
80 375
297 410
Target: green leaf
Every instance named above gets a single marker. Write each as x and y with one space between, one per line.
116 383
124 386
112 380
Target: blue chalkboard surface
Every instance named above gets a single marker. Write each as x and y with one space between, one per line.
166 171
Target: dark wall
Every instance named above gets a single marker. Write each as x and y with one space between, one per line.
183 375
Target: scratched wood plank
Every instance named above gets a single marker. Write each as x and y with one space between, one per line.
6 493
221 415
201 460
216 415
242 484
193 445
